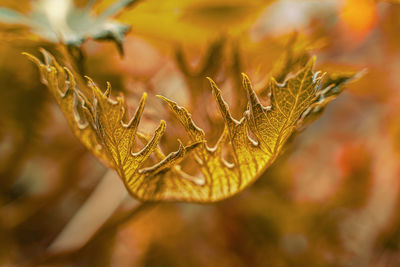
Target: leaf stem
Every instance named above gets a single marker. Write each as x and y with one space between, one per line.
109 228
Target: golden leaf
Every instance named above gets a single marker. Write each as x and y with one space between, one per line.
100 124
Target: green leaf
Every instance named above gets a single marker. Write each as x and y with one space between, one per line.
70 24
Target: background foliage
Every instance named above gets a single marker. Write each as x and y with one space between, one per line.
331 199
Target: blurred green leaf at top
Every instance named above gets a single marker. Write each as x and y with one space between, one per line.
62 21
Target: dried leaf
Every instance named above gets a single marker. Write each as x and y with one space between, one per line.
62 85
100 123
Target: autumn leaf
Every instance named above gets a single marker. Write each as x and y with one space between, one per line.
254 142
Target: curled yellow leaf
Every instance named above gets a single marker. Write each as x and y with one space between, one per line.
254 141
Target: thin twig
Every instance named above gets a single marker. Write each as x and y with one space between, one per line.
106 229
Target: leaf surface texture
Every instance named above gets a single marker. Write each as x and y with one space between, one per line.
254 142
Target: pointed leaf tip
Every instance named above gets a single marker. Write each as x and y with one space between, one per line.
89 80
107 93
214 87
162 125
163 98
169 102
244 76
246 81
213 84
32 58
143 99
91 84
